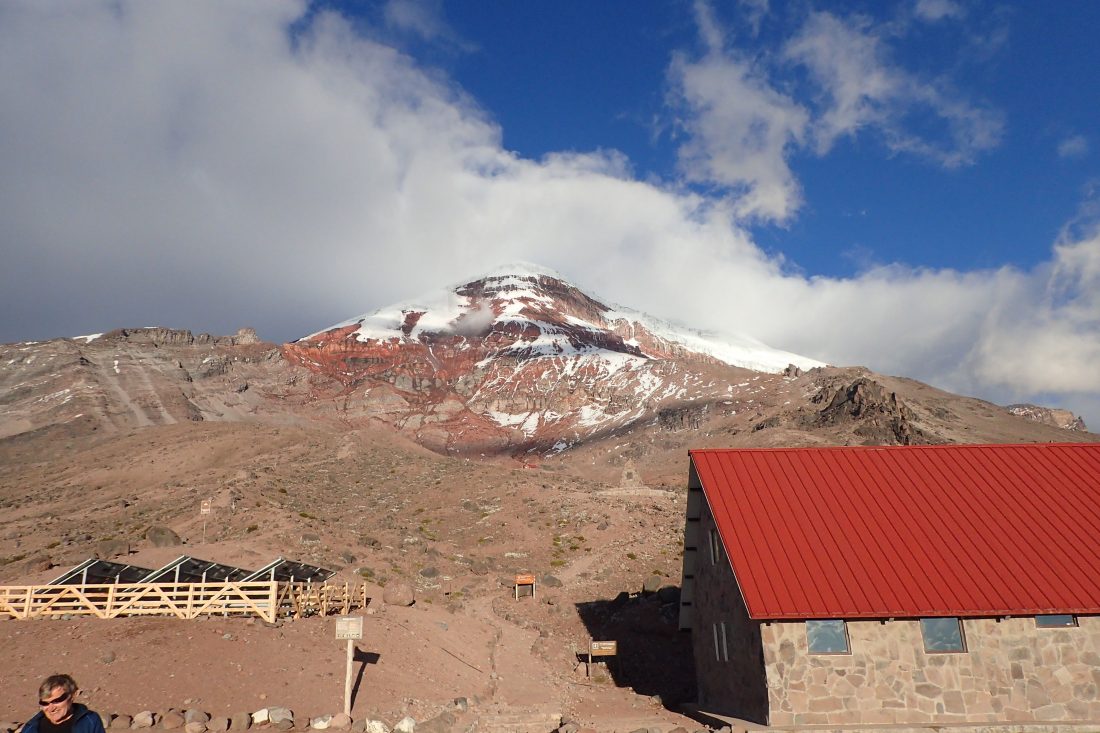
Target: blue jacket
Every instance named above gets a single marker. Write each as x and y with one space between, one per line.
84 721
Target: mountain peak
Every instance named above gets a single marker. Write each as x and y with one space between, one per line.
520 359
536 312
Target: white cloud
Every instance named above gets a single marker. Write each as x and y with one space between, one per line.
861 89
1075 146
190 165
424 19
934 10
740 130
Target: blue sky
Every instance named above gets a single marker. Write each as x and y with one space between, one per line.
585 76
910 186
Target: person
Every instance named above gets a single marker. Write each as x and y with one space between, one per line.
60 713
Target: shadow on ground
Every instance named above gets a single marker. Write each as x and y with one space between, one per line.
363 658
654 658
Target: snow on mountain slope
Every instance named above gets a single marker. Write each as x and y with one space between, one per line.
530 296
520 359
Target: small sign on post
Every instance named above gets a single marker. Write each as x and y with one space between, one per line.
204 509
350 628
525 580
600 649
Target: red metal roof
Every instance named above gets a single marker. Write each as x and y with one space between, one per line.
953 530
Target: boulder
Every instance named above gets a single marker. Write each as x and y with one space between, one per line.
107 549
281 718
121 721
429 572
551 581
161 536
240 721
340 721
171 720
651 584
398 594
321 722
195 716
668 594
218 724
376 726
194 727
405 725
261 716
144 719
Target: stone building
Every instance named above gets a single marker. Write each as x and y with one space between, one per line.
895 585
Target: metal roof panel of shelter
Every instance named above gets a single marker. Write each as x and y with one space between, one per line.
909 531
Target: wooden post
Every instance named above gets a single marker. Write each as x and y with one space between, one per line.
350 628
347 679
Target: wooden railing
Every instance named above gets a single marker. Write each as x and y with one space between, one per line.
267 600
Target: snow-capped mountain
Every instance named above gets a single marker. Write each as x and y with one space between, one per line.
521 357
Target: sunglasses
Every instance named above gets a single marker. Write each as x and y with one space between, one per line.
55 701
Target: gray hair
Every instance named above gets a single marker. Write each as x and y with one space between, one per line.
51 683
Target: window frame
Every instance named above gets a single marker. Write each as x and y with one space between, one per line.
847 638
1072 621
721 644
963 648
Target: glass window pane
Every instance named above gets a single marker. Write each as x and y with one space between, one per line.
942 635
1055 621
827 637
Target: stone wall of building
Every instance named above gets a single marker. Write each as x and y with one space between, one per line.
736 686
1012 671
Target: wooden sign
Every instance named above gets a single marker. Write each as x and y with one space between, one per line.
601 649
525 579
349 627
204 506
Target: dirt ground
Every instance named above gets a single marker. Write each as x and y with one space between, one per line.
453 530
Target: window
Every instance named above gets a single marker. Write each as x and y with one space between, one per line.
715 547
1055 621
942 635
721 648
827 637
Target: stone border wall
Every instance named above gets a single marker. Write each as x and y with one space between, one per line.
266 719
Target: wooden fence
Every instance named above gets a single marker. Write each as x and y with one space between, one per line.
267 600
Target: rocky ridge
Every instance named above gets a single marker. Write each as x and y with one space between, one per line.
1063 419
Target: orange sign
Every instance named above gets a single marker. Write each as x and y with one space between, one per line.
525 580
604 649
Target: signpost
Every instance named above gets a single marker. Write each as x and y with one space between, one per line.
525 580
204 510
601 649
350 628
